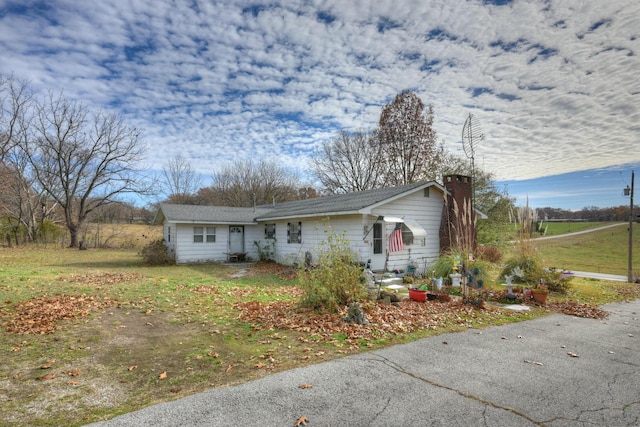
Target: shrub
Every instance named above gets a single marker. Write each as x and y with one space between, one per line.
489 253
525 269
337 278
155 253
266 250
555 280
447 263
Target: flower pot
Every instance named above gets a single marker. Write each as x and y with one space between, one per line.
417 295
539 296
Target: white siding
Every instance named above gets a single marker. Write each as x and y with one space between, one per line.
169 236
427 211
187 251
313 233
252 233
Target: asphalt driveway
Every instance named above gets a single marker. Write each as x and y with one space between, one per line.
554 371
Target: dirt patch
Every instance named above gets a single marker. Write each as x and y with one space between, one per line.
97 364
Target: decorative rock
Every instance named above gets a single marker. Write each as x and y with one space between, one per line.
355 315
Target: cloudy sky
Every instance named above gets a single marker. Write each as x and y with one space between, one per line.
554 83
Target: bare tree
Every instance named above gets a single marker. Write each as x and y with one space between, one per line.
351 161
16 101
407 139
245 183
180 180
20 199
82 160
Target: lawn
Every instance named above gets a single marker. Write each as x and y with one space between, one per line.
601 251
88 335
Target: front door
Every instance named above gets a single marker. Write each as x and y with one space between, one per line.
236 239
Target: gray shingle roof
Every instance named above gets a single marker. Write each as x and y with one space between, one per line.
334 204
340 203
210 214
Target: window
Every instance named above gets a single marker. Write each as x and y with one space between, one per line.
204 234
169 234
377 238
198 236
294 232
269 231
407 235
211 234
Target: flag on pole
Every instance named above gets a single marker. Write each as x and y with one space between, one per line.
395 239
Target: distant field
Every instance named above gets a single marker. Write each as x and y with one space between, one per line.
555 228
602 251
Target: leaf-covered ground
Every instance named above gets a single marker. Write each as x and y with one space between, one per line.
114 341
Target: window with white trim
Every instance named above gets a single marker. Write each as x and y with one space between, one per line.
211 234
198 234
294 232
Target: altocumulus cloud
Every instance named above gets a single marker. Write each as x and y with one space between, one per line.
553 83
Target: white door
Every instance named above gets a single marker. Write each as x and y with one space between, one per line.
236 239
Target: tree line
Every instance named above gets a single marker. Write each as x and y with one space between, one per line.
63 163
588 213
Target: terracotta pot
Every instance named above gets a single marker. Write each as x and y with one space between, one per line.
540 296
417 295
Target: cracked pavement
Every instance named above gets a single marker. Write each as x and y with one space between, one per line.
557 371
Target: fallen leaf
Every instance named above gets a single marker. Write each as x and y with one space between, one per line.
175 390
47 377
572 354
305 386
302 421
533 362
259 365
445 343
229 368
163 375
73 372
131 368
503 338
73 382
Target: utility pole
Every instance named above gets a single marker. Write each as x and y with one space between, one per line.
630 272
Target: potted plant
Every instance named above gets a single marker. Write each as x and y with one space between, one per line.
540 293
526 270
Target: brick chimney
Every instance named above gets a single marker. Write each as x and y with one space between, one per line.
458 225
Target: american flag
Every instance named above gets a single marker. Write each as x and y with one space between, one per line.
395 240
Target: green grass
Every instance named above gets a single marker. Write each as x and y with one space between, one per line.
602 251
556 228
183 320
